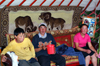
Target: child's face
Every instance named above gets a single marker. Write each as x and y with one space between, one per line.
20 37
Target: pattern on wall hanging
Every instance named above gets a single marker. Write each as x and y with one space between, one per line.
10 14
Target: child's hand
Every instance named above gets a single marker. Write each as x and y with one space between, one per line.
4 58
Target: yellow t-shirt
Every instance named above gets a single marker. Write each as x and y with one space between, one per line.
24 50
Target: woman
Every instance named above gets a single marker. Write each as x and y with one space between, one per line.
81 40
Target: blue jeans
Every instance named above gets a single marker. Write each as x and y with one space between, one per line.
31 62
45 60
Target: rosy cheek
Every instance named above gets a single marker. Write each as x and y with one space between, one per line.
85 30
20 38
82 30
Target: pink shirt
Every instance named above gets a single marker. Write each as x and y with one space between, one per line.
82 41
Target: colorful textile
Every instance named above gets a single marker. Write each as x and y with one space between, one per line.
63 39
70 51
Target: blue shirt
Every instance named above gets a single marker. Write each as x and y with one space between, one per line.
38 39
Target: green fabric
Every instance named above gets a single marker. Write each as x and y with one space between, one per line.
0 61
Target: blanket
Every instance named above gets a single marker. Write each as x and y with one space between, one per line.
65 50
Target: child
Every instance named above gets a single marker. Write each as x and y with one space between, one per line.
23 48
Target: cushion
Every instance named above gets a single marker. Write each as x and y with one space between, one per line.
9 37
63 39
72 38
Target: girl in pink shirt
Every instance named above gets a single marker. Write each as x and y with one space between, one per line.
81 40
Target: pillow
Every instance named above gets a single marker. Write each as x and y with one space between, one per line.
9 38
72 39
63 40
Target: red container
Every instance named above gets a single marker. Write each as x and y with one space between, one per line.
51 49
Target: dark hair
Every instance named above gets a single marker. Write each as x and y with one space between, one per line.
83 25
18 30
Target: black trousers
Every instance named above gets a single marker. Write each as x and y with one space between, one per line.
45 60
84 53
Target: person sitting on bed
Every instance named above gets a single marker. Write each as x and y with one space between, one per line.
23 48
43 38
82 42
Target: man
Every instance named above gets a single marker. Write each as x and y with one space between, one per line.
40 41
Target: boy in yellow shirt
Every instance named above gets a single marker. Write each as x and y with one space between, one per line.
23 48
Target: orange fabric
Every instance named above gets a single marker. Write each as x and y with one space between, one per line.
0 50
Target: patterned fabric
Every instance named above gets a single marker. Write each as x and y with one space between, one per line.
4 16
69 60
72 39
63 39
57 34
